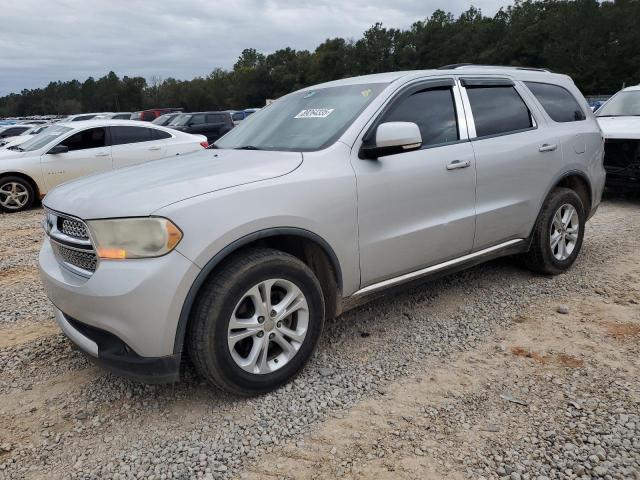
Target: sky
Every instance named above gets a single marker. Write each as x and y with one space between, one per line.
47 40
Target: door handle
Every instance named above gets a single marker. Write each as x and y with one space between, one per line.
458 164
547 147
104 154
154 148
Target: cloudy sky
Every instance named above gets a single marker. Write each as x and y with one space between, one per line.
44 40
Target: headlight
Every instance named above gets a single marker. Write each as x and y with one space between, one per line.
134 237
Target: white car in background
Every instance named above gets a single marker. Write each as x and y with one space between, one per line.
80 117
113 116
619 120
23 137
66 151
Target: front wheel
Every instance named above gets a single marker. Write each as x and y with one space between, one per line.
16 194
558 234
256 322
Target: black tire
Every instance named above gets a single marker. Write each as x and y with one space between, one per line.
540 257
216 303
5 182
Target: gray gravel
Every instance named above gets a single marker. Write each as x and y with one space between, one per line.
106 427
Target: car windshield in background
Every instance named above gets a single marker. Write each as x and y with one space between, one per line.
180 120
622 105
161 119
303 121
43 138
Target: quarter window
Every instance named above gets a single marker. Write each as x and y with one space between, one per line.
92 138
559 104
123 135
433 110
159 134
498 109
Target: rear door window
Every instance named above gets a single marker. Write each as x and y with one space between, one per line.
498 110
557 101
198 119
122 135
91 138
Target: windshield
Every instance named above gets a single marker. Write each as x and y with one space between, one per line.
161 119
622 105
43 138
180 120
303 121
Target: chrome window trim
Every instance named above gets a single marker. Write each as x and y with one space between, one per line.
469 121
473 135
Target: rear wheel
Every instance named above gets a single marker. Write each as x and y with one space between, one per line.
557 236
256 322
16 194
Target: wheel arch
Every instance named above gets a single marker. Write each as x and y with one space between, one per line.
579 183
308 246
26 177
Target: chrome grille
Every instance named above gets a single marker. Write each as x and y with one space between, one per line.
71 243
83 260
74 228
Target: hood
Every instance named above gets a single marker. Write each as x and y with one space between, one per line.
10 154
620 127
142 189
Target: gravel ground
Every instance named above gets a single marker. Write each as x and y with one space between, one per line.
61 417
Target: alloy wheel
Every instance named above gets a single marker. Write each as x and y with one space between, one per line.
268 326
13 195
565 228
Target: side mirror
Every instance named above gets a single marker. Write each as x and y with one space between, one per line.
392 138
58 149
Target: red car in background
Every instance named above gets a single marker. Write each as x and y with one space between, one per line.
150 115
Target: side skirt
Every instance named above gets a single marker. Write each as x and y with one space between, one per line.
510 247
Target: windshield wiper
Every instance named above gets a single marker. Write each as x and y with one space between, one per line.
248 147
15 147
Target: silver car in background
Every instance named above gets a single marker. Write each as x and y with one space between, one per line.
237 254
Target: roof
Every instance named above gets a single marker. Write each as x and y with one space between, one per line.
460 69
632 88
107 122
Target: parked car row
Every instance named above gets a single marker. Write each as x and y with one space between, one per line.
236 256
212 124
67 150
10 137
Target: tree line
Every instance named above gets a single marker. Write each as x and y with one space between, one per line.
597 43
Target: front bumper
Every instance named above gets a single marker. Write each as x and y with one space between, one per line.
136 303
110 352
622 162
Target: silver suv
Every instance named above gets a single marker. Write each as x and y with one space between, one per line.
236 255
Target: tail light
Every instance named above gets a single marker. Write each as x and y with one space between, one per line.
204 144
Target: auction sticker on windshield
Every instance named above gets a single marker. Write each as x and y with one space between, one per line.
315 113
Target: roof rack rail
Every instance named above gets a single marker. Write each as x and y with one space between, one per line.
454 66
